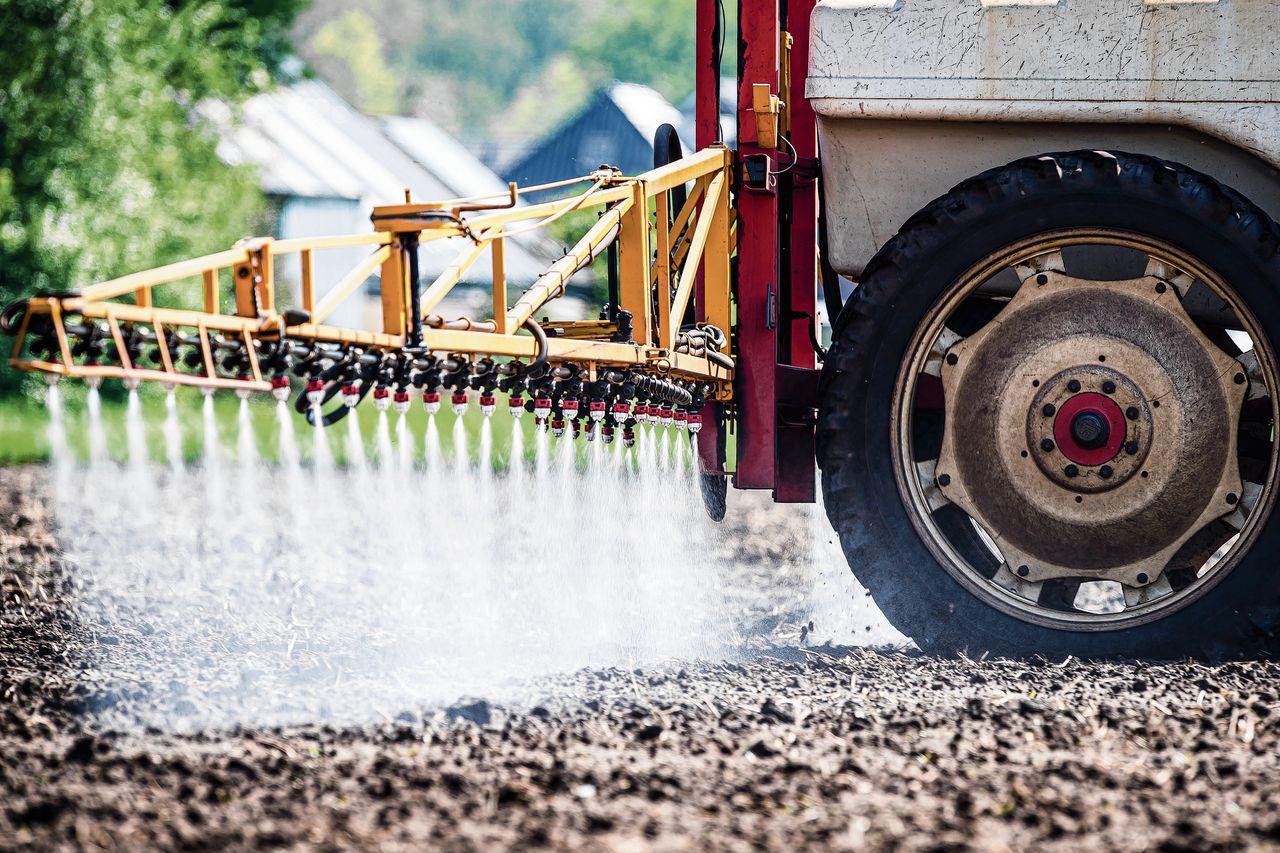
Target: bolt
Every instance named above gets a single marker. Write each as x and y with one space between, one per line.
1239 378
1042 279
1105 472
1161 287
1071 471
1131 447
1073 386
1142 577
1155 403
1232 498
1046 445
244 272
952 358
1079 499
1132 413
1048 410
1023 571
944 479
1108 387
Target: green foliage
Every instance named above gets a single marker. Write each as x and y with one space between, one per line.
352 40
642 41
104 165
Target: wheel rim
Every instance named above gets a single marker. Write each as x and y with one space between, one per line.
1086 474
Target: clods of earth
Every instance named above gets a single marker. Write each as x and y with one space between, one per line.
789 748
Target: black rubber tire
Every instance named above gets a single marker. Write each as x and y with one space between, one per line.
1237 617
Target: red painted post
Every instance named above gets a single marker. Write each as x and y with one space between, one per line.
795 440
757 351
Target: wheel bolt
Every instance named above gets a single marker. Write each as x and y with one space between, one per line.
1161 287
1048 410
1071 471
952 358
1023 571
1073 386
1239 378
1231 498
1142 577
1131 447
1108 387
1105 472
1131 413
1042 279
944 479
1046 445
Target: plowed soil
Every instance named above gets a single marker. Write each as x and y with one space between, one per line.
795 748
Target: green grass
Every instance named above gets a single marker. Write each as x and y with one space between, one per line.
24 424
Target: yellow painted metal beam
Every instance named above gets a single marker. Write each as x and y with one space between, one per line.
348 283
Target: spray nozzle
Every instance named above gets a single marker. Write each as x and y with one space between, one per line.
315 391
350 395
280 388
431 401
621 411
382 398
557 427
695 422
681 419
515 405
665 416
569 406
628 437
402 402
606 434
459 400
542 408
488 404
597 409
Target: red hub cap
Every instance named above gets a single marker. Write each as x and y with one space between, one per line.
1089 429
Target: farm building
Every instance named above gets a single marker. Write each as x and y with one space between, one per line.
616 127
325 165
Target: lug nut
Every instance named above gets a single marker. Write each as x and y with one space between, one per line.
1239 378
488 404
1046 445
1131 447
1071 471
1023 571
1142 577
1132 413
459 401
515 405
431 401
1048 410
350 395
1073 386
1108 387
1232 498
952 358
944 479
1161 287
279 388
1105 472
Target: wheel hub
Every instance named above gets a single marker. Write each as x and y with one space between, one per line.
1091 431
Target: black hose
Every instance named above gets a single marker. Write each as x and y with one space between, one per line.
415 289
541 337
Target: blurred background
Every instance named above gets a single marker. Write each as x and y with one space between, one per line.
135 133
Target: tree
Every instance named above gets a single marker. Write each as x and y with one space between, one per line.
104 168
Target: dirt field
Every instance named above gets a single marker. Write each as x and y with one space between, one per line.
794 748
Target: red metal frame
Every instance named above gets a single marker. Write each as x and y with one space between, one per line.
776 271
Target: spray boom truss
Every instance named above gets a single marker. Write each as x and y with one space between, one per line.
672 245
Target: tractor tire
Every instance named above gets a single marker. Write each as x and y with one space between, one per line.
996 524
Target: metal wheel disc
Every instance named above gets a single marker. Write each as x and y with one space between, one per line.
1089 431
